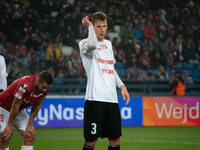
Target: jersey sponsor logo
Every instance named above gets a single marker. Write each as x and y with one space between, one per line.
107 71
103 46
25 85
20 92
27 101
2 117
103 61
38 95
98 48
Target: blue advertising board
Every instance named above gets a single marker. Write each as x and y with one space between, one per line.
58 112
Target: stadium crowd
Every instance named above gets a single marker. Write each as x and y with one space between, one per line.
154 34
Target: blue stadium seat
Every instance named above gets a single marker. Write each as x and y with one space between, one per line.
186 65
178 65
121 72
120 65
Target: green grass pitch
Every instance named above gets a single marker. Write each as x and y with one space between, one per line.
133 138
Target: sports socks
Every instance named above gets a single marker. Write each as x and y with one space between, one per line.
27 148
86 147
113 147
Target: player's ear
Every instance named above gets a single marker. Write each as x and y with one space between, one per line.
37 81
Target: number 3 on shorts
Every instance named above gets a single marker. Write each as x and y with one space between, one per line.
94 128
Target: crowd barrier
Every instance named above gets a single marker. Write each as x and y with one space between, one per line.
63 111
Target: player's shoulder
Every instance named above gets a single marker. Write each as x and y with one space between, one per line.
82 41
27 79
1 57
107 41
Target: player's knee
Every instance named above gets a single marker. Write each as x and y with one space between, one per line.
114 141
91 142
28 139
4 144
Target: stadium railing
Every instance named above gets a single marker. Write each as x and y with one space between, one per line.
136 87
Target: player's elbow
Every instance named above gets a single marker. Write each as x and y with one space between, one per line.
91 48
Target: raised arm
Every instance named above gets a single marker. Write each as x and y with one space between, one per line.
121 85
92 38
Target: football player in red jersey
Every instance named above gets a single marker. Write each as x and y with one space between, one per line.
22 93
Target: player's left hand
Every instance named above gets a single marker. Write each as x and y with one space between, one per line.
125 94
30 129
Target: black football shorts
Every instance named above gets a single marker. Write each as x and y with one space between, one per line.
101 119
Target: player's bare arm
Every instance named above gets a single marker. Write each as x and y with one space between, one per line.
34 111
125 94
8 131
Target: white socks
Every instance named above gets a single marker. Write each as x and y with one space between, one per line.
27 148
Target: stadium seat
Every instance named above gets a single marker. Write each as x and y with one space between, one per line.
186 65
120 65
121 72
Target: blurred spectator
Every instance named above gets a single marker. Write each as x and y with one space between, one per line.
44 8
27 28
149 31
187 78
121 56
51 62
146 44
130 73
46 20
169 44
52 25
162 74
138 51
189 53
133 61
177 53
138 31
141 75
125 46
145 60
52 71
157 60
126 31
24 70
53 50
3 37
74 23
13 38
69 41
13 69
178 86
196 73
36 66
44 41
61 29
31 54
33 42
21 47
170 62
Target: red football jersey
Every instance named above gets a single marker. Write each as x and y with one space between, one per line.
22 89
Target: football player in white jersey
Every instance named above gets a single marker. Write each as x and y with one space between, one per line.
101 111
3 74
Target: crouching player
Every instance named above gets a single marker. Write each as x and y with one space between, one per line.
22 93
